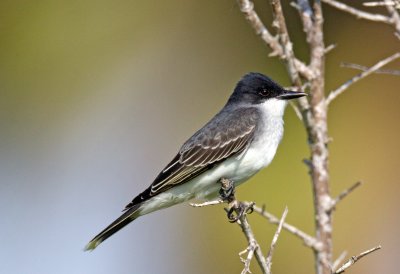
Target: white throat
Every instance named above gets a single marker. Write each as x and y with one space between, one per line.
273 107
270 132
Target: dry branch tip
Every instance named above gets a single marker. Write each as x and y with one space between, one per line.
354 259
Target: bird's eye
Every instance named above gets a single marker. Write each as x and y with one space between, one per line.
263 92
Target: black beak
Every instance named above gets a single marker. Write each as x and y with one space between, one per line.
288 94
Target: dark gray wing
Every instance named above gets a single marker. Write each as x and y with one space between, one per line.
228 133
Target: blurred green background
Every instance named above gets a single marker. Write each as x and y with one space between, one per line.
88 89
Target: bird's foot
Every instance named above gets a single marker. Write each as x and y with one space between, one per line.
236 209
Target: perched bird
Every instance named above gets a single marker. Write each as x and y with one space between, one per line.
238 142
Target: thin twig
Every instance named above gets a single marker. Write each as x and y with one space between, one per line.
333 94
307 239
287 46
344 194
250 253
247 8
339 260
296 110
227 194
253 247
306 14
393 19
284 39
394 16
365 68
358 13
275 239
354 259
208 203
329 48
381 3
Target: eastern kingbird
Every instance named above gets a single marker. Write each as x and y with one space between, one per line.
238 142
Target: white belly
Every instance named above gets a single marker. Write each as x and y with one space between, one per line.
237 168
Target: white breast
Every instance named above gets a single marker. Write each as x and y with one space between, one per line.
257 156
263 148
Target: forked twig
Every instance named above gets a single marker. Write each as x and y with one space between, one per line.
382 3
365 68
227 194
335 93
344 194
307 239
354 259
247 7
339 260
358 13
252 249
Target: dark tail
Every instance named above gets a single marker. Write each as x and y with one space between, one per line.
128 216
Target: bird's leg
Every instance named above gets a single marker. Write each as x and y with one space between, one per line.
235 208
227 191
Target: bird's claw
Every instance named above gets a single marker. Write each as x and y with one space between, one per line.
250 208
236 209
235 212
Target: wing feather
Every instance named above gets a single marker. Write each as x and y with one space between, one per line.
195 151
227 134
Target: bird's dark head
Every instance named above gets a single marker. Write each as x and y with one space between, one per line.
256 88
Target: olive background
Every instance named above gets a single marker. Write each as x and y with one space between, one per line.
97 96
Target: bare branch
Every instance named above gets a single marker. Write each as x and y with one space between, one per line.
304 70
333 94
344 194
365 68
393 19
275 239
247 8
394 16
280 24
317 133
354 259
284 39
253 247
250 253
313 110
358 13
288 55
307 239
227 194
306 14
381 3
